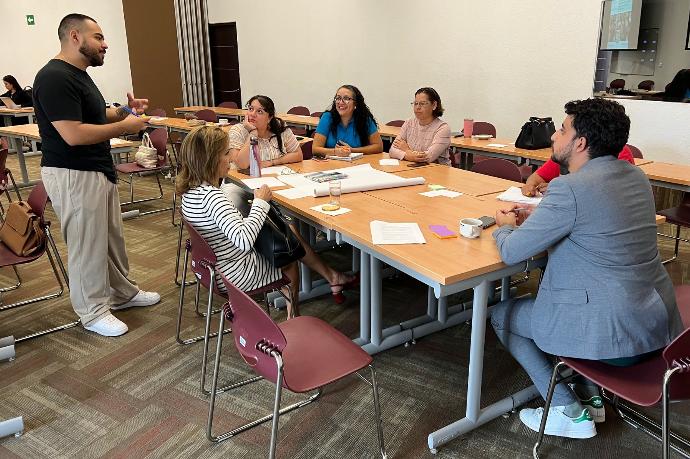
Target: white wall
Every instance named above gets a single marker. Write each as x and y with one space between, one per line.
25 49
499 61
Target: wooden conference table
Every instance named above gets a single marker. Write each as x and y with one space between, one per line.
29 132
446 266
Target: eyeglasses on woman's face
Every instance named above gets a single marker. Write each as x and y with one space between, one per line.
344 99
256 110
420 104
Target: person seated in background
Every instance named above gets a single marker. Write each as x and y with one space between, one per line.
537 183
15 92
605 294
277 144
678 89
205 160
347 127
426 137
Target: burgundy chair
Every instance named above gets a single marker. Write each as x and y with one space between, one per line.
618 83
636 152
683 301
157 112
5 179
303 111
228 104
306 149
301 355
679 216
657 380
397 123
207 115
159 139
501 168
647 85
317 114
482 128
203 263
37 200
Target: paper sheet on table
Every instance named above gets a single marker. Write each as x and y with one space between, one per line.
359 178
275 170
446 193
496 145
257 182
389 162
395 233
514 194
294 193
342 210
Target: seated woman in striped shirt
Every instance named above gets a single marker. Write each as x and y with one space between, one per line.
205 160
277 143
426 137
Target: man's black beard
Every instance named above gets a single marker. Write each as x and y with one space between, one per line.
94 57
563 162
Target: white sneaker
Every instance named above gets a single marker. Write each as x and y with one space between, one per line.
140 299
558 423
108 325
595 405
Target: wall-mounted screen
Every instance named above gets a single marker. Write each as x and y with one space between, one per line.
621 24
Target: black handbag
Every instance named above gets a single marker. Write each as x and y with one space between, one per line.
536 134
276 241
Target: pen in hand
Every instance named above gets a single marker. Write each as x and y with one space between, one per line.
129 110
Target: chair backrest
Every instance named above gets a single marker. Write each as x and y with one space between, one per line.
483 128
228 104
618 83
306 150
317 114
253 329
159 139
207 115
157 112
679 352
397 123
37 200
3 165
647 85
635 151
501 168
202 257
299 110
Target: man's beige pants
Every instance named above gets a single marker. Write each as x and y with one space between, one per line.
88 207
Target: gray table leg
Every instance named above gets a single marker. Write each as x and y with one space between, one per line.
376 303
22 160
14 426
364 298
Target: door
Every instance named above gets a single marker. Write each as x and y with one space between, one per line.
225 63
153 56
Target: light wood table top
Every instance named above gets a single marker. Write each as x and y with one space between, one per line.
303 120
389 131
30 132
219 110
642 161
181 124
510 149
678 174
313 165
465 182
16 111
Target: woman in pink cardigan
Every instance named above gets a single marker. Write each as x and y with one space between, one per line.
426 137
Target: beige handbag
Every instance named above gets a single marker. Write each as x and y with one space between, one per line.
22 232
146 156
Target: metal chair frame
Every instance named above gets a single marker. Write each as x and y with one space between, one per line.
272 351
678 366
50 245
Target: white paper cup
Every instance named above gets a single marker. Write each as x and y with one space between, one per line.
470 227
223 121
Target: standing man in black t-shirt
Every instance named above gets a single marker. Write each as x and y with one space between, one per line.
79 175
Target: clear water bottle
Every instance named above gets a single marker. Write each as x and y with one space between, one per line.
254 158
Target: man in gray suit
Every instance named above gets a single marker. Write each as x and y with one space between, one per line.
605 295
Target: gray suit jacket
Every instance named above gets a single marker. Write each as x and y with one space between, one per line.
605 293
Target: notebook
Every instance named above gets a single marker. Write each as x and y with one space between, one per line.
352 157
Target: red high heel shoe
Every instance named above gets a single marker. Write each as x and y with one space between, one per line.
338 289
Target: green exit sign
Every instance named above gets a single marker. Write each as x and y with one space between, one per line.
30 19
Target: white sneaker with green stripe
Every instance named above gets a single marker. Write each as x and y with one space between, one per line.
558 423
595 405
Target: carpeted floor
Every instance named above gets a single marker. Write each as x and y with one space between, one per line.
138 395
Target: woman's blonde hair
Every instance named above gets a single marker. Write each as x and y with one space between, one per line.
199 156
